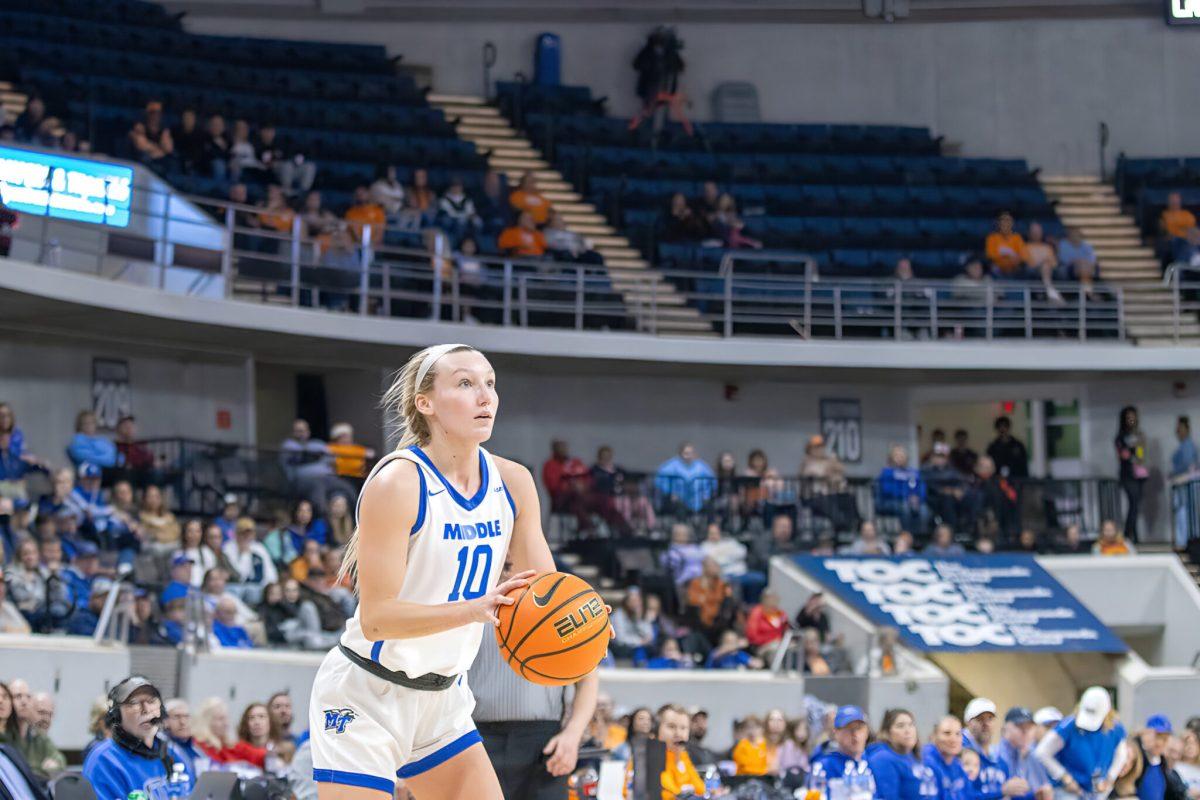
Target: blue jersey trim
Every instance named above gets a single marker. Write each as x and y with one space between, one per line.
439 756
375 650
511 503
354 779
421 503
468 504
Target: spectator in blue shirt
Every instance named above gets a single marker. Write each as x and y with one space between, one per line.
1087 750
731 653
14 461
993 781
900 492
178 727
84 621
846 762
1184 465
1077 260
1015 752
304 527
899 772
89 447
943 756
670 656
82 573
686 479
225 628
96 517
1157 781
137 758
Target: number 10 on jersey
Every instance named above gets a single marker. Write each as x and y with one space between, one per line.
475 584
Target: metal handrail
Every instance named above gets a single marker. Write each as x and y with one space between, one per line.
526 291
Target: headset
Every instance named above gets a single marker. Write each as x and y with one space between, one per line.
121 692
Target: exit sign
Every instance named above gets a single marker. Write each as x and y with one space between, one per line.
1182 12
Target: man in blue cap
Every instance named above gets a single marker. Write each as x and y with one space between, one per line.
1157 781
1014 752
845 763
85 565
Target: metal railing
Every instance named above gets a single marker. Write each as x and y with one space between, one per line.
229 251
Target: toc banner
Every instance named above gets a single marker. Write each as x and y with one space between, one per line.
970 602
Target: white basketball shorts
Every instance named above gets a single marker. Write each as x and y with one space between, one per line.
366 731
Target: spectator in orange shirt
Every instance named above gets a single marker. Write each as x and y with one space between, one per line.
366 211
674 727
711 599
349 459
1040 258
420 197
276 214
1176 220
1005 248
527 198
750 753
523 239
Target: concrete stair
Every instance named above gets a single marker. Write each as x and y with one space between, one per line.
645 292
1093 206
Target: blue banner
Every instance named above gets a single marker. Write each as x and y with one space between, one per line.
51 185
965 603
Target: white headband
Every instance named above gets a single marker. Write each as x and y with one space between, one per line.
431 358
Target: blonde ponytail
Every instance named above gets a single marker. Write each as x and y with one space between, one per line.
399 403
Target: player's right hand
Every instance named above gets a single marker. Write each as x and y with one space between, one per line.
483 609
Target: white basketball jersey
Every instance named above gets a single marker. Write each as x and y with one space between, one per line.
456 551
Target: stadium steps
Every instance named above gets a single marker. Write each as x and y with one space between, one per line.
1093 206
508 150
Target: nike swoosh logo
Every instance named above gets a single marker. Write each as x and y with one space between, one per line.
439 491
541 600
498 489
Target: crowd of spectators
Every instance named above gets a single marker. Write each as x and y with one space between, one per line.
104 526
836 751
810 744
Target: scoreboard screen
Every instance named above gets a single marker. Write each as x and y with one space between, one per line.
65 187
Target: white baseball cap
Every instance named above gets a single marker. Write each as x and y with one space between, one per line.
1094 706
1047 715
980 705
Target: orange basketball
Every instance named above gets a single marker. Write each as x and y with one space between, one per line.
556 632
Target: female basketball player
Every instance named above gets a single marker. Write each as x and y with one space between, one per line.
436 520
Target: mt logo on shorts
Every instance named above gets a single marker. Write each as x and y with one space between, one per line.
336 719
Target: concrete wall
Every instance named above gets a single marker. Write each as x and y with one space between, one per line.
1021 88
1157 600
173 394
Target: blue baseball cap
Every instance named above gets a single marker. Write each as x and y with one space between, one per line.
1159 723
20 504
182 558
1019 715
86 549
174 591
847 715
89 470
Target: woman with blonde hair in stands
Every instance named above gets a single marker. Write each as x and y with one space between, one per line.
213 734
1112 542
777 732
160 529
793 753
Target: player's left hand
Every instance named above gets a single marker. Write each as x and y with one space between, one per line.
563 752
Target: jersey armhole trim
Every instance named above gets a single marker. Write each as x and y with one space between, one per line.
421 503
511 503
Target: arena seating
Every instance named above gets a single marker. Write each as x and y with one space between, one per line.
344 105
855 197
1144 183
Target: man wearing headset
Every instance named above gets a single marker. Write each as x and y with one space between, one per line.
136 763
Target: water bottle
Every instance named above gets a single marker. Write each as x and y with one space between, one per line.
712 780
817 785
